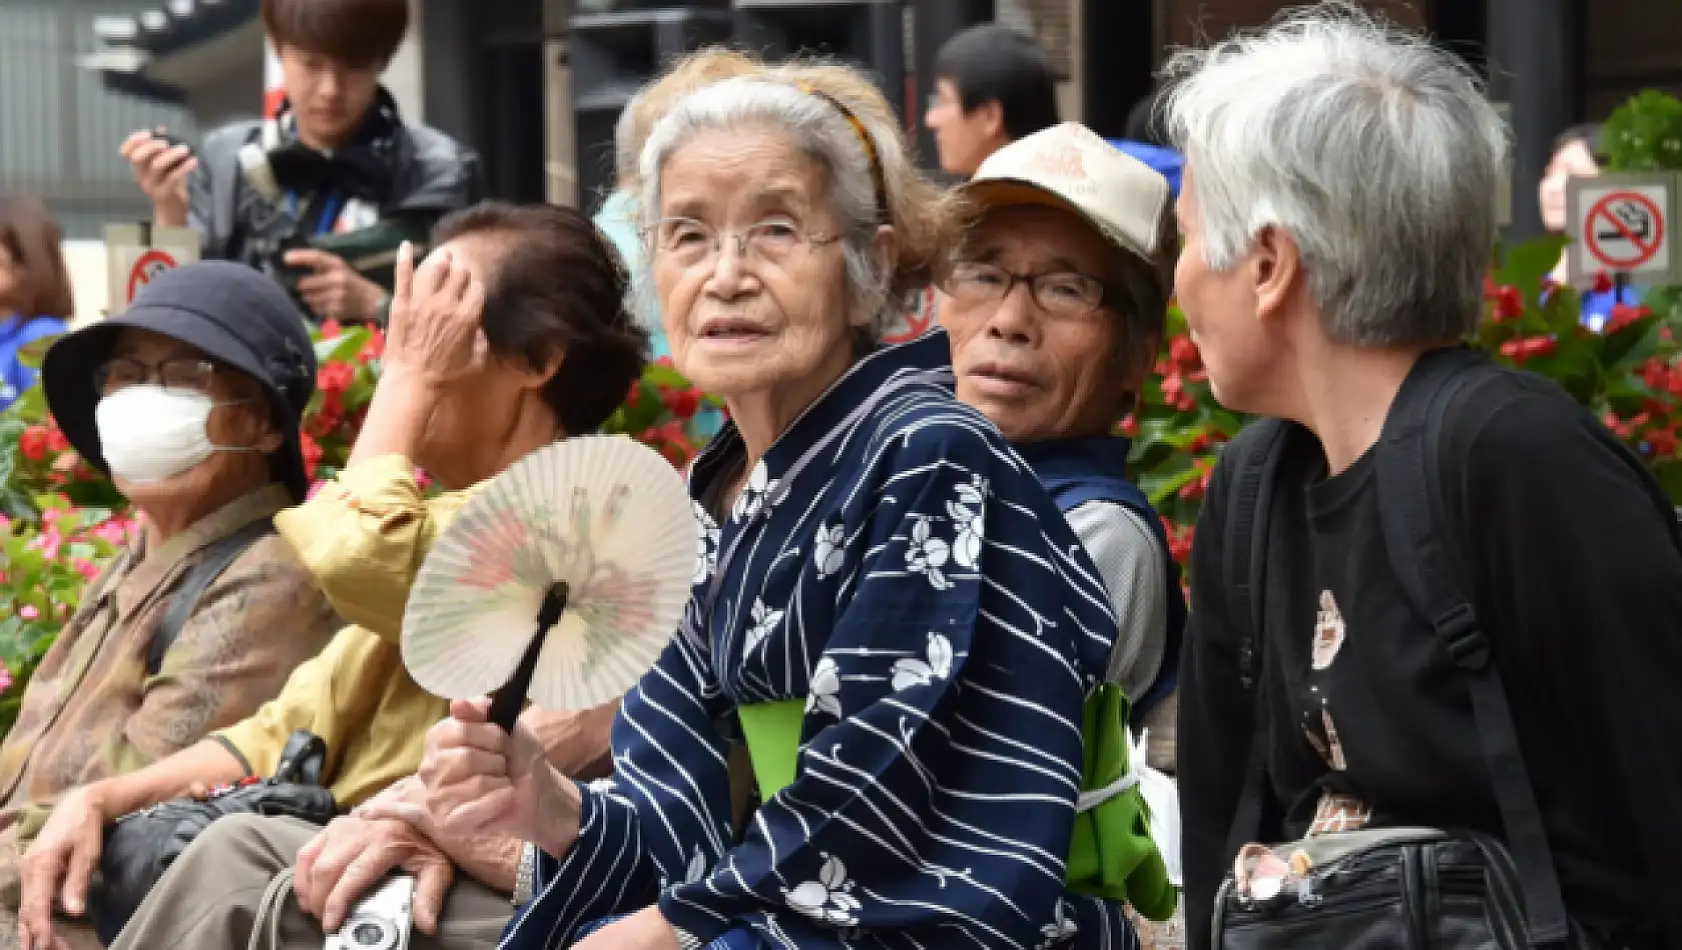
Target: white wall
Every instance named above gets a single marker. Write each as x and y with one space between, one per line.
86 262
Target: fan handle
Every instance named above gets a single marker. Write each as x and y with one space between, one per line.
507 701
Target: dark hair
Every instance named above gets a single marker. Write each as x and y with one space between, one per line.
355 32
1144 122
1138 292
558 287
1587 133
31 236
993 63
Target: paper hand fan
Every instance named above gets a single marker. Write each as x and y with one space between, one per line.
562 579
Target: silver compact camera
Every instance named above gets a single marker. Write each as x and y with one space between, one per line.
379 921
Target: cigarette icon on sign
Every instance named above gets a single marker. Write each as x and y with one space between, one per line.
1637 223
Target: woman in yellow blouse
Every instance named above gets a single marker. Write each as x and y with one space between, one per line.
490 358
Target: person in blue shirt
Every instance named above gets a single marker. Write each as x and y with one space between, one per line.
35 296
1577 154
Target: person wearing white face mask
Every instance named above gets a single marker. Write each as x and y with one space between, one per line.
191 401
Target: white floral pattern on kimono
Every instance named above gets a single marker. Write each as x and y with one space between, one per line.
896 567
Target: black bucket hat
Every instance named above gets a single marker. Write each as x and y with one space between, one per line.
235 315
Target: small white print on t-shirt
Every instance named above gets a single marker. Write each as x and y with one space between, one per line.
1328 631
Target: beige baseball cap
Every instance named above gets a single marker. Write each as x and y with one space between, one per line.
1068 166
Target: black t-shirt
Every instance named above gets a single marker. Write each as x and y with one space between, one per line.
1578 583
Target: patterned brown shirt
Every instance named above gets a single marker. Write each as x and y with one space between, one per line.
91 710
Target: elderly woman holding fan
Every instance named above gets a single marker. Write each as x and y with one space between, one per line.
884 583
490 359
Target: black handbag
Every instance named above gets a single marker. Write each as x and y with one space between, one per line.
1394 888
142 845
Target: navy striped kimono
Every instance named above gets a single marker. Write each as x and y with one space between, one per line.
895 565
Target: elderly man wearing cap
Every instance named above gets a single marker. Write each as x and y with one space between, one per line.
190 400
1055 305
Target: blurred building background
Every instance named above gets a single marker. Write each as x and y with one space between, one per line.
535 85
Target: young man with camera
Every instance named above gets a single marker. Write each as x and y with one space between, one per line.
321 195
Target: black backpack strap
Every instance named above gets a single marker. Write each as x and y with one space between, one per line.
1258 450
212 561
1256 455
1415 528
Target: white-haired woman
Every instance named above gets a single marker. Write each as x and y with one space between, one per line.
884 579
1338 214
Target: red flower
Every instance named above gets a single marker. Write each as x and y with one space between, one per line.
1198 443
56 441
1655 373
1172 385
1130 426
312 454
684 403
635 395
33 443
375 347
1509 305
330 329
1602 283
335 378
1663 441
1183 351
1179 541
1523 348
1624 315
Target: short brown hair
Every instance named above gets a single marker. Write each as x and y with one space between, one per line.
557 287
358 33
31 236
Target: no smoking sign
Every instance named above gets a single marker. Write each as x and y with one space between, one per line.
1623 224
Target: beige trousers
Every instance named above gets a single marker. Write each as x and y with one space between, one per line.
213 897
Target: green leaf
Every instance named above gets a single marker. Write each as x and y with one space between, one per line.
342 348
1527 264
1669 473
1645 134
30 354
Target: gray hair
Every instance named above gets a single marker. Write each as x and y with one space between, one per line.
819 129
1374 150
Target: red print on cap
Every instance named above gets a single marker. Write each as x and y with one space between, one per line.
1064 162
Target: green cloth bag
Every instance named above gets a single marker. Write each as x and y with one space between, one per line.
1111 853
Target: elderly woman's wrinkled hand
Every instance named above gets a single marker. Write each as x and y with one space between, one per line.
436 328
480 780
342 864
59 866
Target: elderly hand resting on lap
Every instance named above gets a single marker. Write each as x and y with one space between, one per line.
477 781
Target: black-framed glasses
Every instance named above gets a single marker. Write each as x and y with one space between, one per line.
690 242
1062 293
181 374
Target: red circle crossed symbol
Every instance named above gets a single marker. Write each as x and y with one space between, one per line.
919 317
1624 217
147 266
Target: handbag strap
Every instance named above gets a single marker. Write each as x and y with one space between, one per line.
216 558
1413 520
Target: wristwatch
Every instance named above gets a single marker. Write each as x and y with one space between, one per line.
525 875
